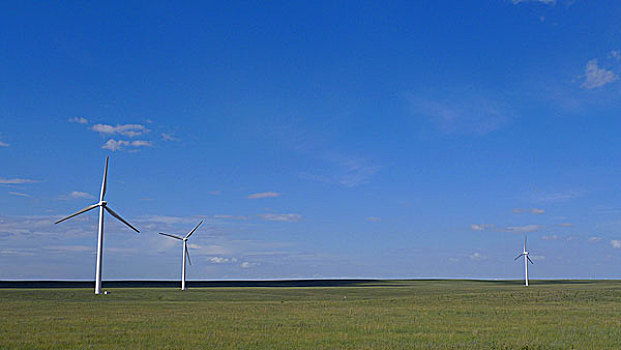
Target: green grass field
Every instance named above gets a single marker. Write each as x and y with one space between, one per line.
395 315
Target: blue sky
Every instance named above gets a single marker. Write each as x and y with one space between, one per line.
316 139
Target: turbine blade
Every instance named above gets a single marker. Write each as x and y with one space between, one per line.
518 257
121 219
187 253
525 237
530 260
173 236
78 213
104 181
194 229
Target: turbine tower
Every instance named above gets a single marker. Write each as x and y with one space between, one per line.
526 260
186 253
103 205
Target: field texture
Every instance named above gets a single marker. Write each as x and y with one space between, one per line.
375 315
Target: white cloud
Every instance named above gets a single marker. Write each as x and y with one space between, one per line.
17 181
282 217
535 211
515 229
228 216
557 197
76 195
19 194
547 2
476 256
130 130
616 243
596 77
481 227
218 260
247 265
79 120
168 137
264 195
115 145
462 112
565 224
4 144
616 54
523 229
550 238
594 239
70 248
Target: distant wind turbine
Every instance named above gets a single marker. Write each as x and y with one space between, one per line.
102 205
526 260
186 253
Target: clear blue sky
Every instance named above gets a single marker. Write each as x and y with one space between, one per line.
316 139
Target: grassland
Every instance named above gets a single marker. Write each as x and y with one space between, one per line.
376 315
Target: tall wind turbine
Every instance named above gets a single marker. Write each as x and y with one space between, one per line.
526 260
102 205
186 253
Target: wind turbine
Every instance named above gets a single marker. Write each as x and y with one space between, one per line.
186 253
102 205
526 260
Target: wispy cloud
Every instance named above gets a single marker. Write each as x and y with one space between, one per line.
231 217
290 217
594 239
373 219
129 130
347 171
482 227
547 2
264 195
476 256
169 137
78 120
596 76
19 194
76 195
4 144
116 145
16 181
565 224
523 229
535 211
550 237
463 113
615 243
557 197
513 229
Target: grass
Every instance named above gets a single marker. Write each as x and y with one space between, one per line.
374 315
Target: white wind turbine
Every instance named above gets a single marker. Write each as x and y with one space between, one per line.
186 253
102 205
526 260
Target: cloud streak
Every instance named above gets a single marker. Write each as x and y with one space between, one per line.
264 195
16 181
290 217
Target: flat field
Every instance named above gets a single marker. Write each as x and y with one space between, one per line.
420 314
